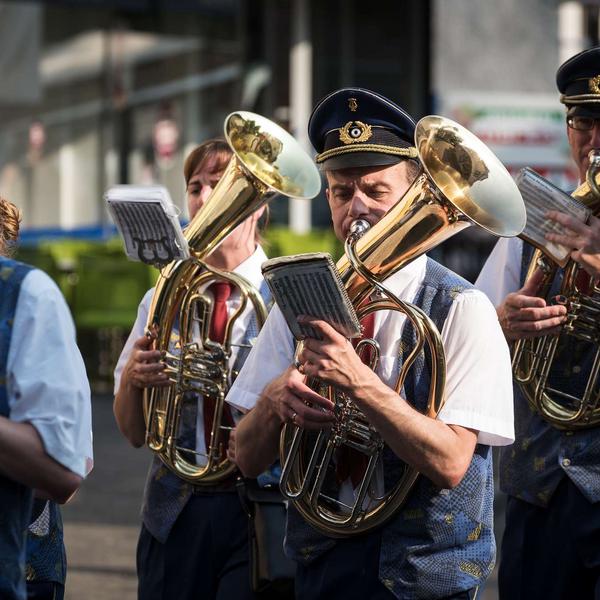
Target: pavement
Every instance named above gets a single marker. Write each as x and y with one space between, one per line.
102 521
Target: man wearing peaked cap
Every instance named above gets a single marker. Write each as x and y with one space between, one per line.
439 544
578 81
359 128
551 544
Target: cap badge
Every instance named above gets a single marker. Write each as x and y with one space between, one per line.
355 131
594 84
352 104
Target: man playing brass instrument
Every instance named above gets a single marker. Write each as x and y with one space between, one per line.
440 544
551 545
194 540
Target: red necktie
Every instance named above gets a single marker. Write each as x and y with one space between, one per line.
350 462
585 282
221 290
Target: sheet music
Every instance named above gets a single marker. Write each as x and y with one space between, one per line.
309 284
148 223
540 196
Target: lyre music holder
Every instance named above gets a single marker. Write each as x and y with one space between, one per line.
148 223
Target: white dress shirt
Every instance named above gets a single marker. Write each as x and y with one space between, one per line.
250 270
479 380
47 384
501 274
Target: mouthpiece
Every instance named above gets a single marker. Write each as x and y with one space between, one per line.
358 228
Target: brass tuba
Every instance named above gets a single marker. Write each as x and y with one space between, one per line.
534 366
463 183
266 161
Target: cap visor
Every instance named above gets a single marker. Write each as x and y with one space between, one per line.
585 110
354 160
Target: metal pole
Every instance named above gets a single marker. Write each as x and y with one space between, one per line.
570 30
300 99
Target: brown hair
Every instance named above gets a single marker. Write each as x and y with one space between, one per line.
200 154
220 148
10 218
413 168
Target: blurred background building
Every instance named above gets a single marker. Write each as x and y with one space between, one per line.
96 93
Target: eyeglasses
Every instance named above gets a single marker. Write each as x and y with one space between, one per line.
582 123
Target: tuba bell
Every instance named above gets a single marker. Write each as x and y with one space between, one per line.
267 161
462 183
534 366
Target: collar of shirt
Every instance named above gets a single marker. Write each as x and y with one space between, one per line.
250 268
406 281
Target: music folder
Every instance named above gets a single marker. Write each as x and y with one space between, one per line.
540 196
309 284
148 222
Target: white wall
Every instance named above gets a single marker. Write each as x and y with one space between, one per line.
495 45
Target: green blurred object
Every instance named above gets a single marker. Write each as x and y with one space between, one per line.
60 259
44 259
283 242
38 257
108 290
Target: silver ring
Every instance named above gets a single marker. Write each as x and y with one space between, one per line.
294 415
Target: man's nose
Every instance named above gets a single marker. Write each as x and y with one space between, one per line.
358 205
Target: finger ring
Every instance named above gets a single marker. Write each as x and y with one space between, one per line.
294 415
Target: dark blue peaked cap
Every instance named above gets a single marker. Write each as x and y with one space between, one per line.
354 127
578 80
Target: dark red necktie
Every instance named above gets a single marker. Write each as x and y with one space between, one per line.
221 290
585 282
350 462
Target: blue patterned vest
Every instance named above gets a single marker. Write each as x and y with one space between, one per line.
441 541
46 557
15 498
542 455
165 494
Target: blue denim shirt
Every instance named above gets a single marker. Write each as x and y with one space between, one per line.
15 499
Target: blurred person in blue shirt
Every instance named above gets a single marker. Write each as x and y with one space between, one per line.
45 423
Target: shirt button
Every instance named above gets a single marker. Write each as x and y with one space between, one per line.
566 462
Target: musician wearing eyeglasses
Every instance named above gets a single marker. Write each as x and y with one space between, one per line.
45 423
439 543
551 545
194 539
